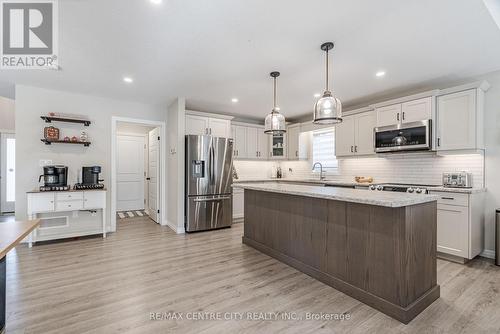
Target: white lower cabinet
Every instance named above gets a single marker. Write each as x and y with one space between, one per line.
452 230
460 221
238 204
67 214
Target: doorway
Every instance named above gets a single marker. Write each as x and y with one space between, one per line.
7 172
136 170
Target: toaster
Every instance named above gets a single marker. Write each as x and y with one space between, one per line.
457 180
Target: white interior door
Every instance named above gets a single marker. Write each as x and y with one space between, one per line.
153 173
130 172
8 172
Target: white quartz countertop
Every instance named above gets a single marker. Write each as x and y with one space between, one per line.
379 198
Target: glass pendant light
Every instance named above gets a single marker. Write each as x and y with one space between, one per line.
275 122
328 109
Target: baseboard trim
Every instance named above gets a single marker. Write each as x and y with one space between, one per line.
488 253
175 228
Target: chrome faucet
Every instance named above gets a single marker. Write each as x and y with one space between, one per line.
321 177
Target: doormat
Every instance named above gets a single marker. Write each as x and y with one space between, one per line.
130 214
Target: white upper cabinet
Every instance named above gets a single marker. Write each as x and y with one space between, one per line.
354 136
344 137
459 121
196 125
293 132
411 111
240 142
199 124
252 142
263 144
389 115
364 125
219 127
417 110
278 145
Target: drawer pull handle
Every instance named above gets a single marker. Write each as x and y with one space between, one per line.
450 198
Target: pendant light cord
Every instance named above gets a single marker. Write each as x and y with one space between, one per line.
274 97
327 87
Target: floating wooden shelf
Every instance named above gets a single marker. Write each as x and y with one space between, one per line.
50 119
50 142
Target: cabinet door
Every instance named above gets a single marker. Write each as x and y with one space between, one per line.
263 144
238 204
388 115
417 110
456 121
219 127
344 137
364 142
94 199
252 142
278 146
293 133
453 230
41 202
196 125
240 142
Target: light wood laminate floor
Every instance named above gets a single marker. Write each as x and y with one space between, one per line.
93 285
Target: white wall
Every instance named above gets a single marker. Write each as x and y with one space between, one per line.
175 164
492 156
33 102
7 114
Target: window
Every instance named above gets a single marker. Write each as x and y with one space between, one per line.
323 148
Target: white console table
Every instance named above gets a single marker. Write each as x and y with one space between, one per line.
59 227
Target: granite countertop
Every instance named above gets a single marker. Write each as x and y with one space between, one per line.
349 184
379 198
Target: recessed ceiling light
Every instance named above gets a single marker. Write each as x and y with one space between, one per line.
234 100
380 74
128 79
317 95
156 2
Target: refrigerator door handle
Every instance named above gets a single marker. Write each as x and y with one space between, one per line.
213 199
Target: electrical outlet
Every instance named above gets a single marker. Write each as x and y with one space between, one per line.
44 162
75 214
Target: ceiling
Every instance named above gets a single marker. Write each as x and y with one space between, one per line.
212 51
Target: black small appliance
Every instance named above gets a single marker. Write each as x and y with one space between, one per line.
55 178
90 178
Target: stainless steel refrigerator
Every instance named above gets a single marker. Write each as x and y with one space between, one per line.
209 194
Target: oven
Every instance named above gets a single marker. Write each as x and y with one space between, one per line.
403 137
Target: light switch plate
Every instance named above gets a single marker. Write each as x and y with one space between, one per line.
44 162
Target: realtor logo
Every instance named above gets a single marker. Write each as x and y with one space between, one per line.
29 34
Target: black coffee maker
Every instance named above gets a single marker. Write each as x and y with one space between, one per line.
55 178
90 178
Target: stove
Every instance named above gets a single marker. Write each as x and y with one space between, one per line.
402 188
82 186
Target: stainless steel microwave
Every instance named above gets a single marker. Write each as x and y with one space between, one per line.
403 137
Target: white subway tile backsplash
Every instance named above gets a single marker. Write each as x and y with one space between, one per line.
396 168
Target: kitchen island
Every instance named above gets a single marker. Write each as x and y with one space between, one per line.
377 247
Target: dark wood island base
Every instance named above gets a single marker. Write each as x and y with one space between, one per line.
384 257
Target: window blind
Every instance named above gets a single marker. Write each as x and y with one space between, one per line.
324 148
